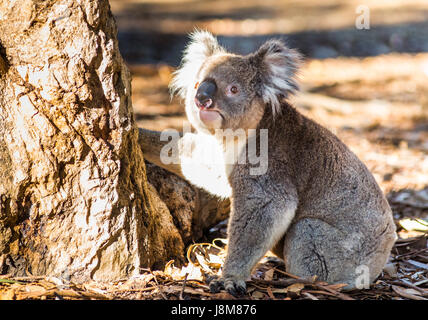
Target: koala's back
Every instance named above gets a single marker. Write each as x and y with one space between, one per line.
342 214
332 183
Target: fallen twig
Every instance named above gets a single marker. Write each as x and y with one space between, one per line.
184 286
288 282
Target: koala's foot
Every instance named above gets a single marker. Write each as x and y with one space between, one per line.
235 287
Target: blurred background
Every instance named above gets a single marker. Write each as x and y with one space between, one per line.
368 86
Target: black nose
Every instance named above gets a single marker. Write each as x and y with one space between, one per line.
205 93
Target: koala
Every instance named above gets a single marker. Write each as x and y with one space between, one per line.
315 204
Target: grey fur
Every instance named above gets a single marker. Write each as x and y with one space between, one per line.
317 206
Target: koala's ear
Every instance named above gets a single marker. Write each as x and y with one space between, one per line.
202 45
277 65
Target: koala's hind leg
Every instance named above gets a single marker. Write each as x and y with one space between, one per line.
313 247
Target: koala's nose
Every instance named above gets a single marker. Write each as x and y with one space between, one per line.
205 94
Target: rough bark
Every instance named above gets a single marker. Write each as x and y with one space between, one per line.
74 199
193 210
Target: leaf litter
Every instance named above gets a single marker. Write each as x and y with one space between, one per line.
404 277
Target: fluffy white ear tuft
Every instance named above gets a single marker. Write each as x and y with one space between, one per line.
202 45
278 67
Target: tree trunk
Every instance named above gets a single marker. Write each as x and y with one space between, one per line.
74 199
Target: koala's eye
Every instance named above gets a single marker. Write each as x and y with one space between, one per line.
232 90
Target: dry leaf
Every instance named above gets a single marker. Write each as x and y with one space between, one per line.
33 288
310 296
223 240
269 274
408 293
215 260
172 271
337 286
202 263
280 290
296 287
270 294
414 224
175 273
223 296
257 295
8 294
192 271
53 280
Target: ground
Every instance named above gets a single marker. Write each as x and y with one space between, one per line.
370 87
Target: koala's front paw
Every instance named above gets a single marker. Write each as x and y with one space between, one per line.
232 285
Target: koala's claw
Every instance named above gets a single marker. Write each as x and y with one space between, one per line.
233 286
216 284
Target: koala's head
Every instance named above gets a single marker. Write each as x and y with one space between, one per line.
224 90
